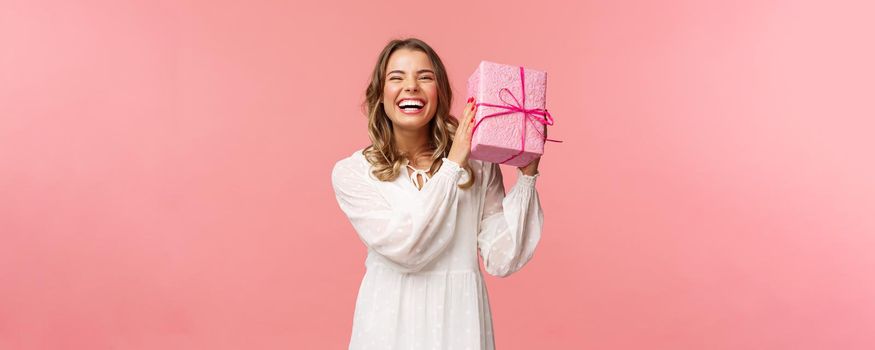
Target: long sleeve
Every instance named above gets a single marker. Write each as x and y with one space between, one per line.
410 235
510 226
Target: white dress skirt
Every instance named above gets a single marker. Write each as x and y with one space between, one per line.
423 288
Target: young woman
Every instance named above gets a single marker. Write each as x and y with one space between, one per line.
423 209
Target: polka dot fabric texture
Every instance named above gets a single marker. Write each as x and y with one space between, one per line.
423 288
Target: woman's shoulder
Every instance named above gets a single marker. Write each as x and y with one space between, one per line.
354 164
352 159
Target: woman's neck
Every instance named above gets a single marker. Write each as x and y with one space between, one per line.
412 143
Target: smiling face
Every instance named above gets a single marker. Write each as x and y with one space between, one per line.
410 91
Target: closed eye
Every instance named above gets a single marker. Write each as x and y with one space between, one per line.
399 78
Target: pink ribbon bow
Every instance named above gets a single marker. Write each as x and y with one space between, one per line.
530 115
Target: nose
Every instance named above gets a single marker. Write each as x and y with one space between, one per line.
411 85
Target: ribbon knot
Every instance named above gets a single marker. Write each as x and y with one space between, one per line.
423 172
530 115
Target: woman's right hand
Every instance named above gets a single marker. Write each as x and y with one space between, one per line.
461 148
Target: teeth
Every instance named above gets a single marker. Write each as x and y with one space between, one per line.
406 103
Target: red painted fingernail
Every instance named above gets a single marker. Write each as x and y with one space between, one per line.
470 99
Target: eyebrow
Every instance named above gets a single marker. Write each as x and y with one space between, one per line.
419 71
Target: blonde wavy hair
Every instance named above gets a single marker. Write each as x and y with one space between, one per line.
385 158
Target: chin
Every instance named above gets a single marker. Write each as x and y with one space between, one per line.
411 125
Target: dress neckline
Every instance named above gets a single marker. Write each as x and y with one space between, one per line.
413 176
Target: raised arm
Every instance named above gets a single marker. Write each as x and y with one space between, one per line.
510 226
410 235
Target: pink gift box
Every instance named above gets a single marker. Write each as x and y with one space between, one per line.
510 123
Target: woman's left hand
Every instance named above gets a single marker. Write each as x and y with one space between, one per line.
532 168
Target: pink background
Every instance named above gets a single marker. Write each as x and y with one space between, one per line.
164 171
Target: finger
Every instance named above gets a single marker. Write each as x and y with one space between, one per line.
463 124
466 115
471 124
472 111
461 118
472 119
469 108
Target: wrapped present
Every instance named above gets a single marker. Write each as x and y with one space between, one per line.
511 119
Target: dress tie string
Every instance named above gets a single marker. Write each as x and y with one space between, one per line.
422 172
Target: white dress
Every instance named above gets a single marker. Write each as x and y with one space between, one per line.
423 288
